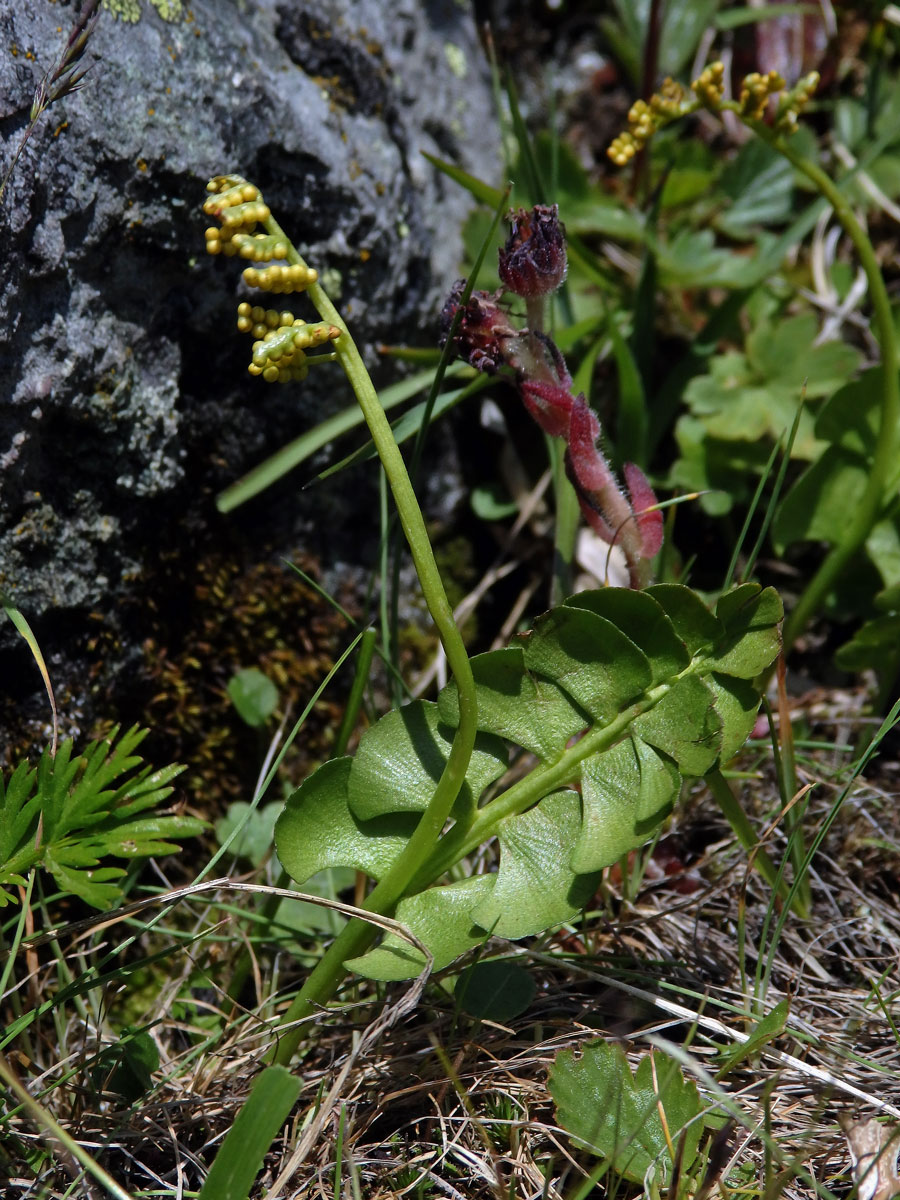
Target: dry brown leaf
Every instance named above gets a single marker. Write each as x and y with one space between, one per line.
873 1152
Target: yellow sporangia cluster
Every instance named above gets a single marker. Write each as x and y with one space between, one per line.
708 91
755 92
279 351
239 207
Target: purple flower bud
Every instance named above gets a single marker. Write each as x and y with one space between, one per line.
533 261
483 332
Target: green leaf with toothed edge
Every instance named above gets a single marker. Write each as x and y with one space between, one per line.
633 1120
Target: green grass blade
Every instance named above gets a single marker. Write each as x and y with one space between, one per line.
483 192
308 443
240 1160
408 425
31 641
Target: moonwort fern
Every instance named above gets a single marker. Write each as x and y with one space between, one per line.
72 810
614 697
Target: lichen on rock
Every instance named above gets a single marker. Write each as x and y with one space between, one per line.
130 10
124 399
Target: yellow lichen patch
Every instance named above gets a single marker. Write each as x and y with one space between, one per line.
130 10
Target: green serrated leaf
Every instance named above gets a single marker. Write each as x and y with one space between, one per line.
617 1115
141 838
93 886
318 830
536 887
515 704
625 793
19 810
401 758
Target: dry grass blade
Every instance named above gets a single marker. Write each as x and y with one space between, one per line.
63 79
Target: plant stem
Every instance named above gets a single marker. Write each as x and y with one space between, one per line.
745 833
357 935
565 531
866 513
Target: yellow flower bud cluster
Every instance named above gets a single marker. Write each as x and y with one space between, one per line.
239 206
755 92
709 87
795 101
279 352
260 247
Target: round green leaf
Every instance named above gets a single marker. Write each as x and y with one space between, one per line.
401 758
318 830
441 918
515 704
535 884
253 694
642 620
737 703
750 616
626 792
590 659
685 725
495 991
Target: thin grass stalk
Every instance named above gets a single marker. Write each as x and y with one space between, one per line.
745 833
789 786
884 462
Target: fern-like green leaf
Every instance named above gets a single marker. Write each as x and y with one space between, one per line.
73 810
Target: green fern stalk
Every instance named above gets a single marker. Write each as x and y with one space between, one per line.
357 935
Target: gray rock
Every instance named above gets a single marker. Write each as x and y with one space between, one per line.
124 398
